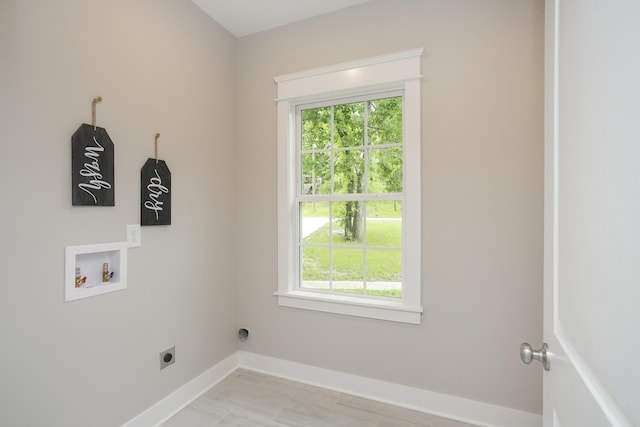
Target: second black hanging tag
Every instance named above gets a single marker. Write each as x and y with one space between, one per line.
155 191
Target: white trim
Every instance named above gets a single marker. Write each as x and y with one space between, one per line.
550 195
412 223
373 308
182 397
457 408
383 71
443 405
358 63
286 190
399 71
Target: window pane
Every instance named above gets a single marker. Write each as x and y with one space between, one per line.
348 222
384 209
384 273
348 270
315 271
349 172
316 173
383 232
349 124
352 246
316 128
385 121
314 223
385 170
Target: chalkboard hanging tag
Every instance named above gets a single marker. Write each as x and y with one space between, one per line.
93 111
155 191
92 168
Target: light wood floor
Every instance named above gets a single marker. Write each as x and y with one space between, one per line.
250 399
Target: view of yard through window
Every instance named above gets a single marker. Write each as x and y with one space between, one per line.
350 201
370 264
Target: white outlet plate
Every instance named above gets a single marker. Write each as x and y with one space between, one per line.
134 237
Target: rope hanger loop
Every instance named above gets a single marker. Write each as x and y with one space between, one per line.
93 110
156 146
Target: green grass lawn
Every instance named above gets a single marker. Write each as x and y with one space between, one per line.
349 257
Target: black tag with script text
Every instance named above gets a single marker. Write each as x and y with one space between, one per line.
155 193
92 178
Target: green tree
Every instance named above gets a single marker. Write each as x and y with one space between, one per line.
316 145
385 127
334 141
349 164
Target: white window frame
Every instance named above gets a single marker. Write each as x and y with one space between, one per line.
399 71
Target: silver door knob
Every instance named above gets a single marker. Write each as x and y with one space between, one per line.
527 354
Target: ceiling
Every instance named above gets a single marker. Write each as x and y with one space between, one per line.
244 17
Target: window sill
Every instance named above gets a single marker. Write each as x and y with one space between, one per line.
395 311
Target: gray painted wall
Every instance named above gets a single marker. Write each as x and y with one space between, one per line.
161 66
482 156
164 66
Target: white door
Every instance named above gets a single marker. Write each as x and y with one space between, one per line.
592 213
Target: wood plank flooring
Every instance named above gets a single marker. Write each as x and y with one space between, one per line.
250 399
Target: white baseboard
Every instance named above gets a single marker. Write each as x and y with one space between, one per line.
170 405
457 408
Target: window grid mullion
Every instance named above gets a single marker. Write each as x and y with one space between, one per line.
364 247
367 152
331 246
377 248
365 143
333 184
371 197
332 146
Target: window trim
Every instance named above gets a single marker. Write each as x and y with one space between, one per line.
399 71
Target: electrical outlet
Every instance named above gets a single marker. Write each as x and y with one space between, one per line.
134 237
167 357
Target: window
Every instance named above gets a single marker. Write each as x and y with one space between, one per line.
349 188
349 203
